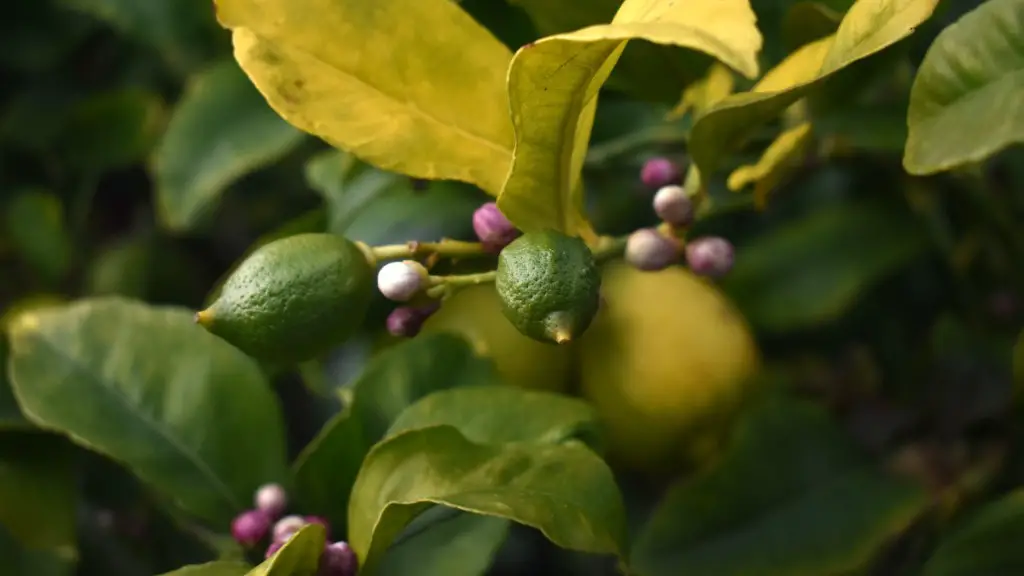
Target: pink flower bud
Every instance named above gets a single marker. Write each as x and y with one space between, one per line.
321 521
673 206
649 250
658 172
250 527
710 256
338 559
272 499
494 230
406 321
287 526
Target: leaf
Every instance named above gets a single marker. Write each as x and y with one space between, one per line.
112 129
395 378
778 161
36 227
220 130
553 86
219 568
459 544
807 21
38 491
964 103
300 555
183 32
433 105
11 417
701 95
19 561
987 543
869 27
645 71
499 414
406 474
791 497
200 426
824 262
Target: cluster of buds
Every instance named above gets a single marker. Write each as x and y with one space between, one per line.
652 249
267 522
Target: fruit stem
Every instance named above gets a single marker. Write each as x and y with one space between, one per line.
609 247
442 286
444 248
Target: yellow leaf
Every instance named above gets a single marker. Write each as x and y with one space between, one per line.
553 86
701 95
776 163
412 86
868 27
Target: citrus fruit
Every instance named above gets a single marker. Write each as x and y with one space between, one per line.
549 286
665 364
293 298
475 314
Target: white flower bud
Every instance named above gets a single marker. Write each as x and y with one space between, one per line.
400 281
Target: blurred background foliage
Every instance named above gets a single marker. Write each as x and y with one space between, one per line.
137 159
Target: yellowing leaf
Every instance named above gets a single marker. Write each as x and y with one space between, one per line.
553 86
412 86
777 162
701 95
869 27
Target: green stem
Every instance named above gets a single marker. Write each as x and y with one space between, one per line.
609 247
443 286
445 248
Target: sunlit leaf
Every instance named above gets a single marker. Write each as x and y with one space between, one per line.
431 105
778 161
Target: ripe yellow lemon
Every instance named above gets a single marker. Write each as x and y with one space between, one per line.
665 364
475 313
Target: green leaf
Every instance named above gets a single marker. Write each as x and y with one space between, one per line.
36 227
11 417
433 105
112 129
220 568
645 71
406 474
824 261
807 21
183 32
300 555
458 544
18 561
500 414
221 130
987 543
38 491
869 27
791 497
553 86
394 379
200 426
965 101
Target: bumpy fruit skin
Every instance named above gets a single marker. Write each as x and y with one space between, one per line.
666 365
549 286
474 313
293 298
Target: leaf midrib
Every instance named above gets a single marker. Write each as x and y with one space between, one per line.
401 103
204 469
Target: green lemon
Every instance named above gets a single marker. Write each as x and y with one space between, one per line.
293 298
549 285
474 313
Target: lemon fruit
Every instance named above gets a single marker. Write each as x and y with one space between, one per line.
293 299
665 364
549 286
474 313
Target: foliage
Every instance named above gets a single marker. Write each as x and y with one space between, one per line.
857 165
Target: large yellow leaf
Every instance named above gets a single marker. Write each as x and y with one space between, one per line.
413 86
553 86
869 27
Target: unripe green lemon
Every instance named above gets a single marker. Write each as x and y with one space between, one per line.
665 365
475 314
549 286
293 298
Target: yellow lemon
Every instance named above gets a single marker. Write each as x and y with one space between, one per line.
475 313
665 364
